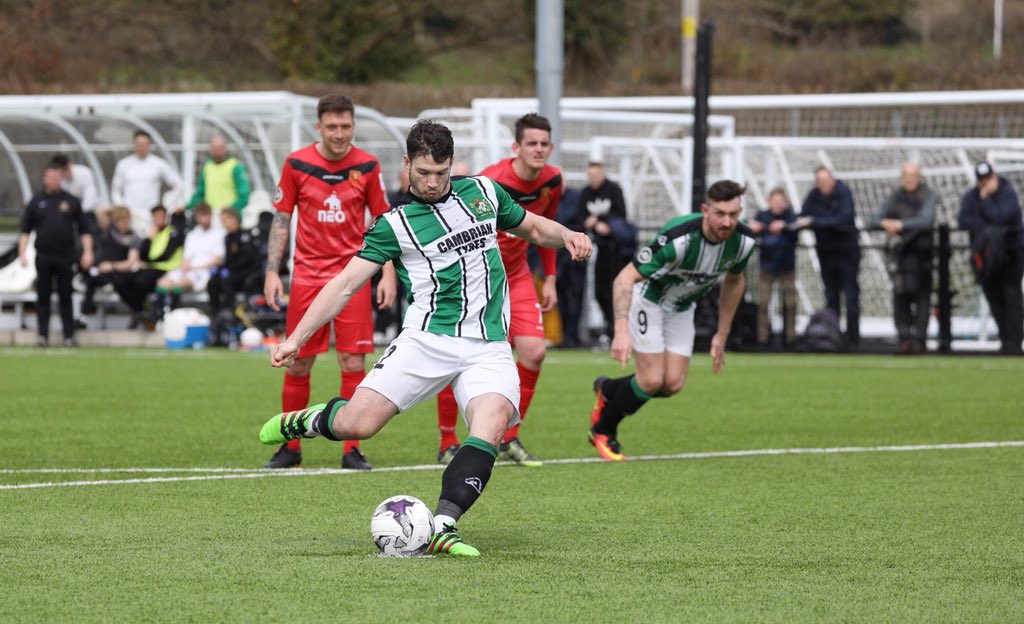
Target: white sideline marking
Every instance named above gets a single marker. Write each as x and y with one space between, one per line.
210 474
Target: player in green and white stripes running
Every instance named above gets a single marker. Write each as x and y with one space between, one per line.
653 302
442 237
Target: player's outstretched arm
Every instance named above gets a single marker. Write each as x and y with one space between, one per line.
728 301
547 233
328 302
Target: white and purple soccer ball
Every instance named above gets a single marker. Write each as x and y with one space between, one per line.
402 526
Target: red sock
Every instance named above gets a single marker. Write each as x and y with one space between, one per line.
294 396
447 416
349 381
527 383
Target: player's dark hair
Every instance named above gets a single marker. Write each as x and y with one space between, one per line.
429 138
158 208
142 133
531 120
60 160
201 207
335 103
53 166
725 190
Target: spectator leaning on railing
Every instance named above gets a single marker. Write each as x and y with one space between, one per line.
991 213
828 210
908 216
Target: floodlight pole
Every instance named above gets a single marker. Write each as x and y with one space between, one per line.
549 66
997 32
701 93
688 30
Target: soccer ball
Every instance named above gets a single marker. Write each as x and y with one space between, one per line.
402 526
251 339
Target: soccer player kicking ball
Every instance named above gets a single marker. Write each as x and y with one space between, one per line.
653 304
442 236
536 186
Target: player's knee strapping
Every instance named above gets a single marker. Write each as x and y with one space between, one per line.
466 475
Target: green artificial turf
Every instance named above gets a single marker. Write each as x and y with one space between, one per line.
682 533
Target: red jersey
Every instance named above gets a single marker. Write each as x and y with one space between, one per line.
333 197
539 197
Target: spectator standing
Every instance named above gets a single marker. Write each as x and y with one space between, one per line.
991 212
56 217
332 184
202 253
222 181
139 179
829 211
572 276
602 215
908 217
774 227
79 181
536 186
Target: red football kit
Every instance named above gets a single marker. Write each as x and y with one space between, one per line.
332 197
540 196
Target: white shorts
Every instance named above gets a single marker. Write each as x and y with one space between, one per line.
418 364
198 278
656 330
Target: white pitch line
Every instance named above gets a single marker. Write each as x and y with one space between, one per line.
243 473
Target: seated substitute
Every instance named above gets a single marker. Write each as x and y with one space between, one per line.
203 252
241 263
117 253
159 253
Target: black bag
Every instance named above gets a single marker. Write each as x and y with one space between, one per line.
823 332
988 251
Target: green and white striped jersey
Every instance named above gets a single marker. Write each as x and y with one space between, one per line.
681 266
447 256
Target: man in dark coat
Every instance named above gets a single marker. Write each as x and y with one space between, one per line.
992 210
828 210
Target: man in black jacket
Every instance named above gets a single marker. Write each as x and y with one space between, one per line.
993 208
241 262
908 216
56 217
601 214
828 210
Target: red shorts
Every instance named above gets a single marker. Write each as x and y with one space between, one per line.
353 326
525 311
